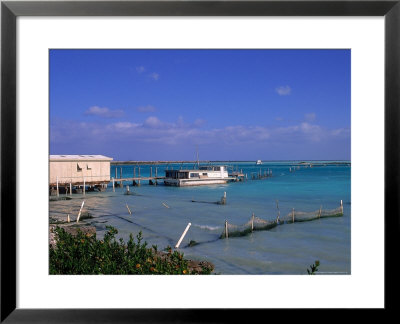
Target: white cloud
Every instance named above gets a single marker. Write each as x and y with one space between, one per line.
310 117
153 122
140 69
104 112
154 130
283 90
155 76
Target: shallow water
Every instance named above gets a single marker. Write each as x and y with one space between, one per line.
285 249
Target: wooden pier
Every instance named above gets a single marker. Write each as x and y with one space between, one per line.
136 181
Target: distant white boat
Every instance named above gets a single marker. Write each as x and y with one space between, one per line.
204 175
258 162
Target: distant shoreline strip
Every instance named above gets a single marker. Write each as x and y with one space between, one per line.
299 162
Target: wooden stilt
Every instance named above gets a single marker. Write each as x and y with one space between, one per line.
58 192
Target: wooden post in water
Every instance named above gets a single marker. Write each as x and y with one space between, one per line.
226 229
279 212
320 210
341 206
223 199
113 181
151 176
130 213
252 222
293 215
139 178
183 235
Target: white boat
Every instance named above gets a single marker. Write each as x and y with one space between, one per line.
258 162
203 175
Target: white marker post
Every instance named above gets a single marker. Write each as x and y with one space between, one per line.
80 211
183 235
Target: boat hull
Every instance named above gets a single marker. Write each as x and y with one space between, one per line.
197 182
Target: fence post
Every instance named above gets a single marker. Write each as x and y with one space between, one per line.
226 229
223 199
183 235
279 212
130 213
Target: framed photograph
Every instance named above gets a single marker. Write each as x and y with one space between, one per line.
163 158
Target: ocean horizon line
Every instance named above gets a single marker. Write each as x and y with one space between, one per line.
115 162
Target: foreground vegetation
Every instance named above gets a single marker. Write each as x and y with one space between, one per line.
84 254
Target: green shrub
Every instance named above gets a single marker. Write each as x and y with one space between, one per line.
84 254
313 268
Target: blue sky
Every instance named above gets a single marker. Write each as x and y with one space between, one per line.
231 104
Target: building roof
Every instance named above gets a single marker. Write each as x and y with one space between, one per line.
86 157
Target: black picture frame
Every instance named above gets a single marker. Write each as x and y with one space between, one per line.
10 10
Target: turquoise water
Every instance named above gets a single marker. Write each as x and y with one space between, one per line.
285 249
